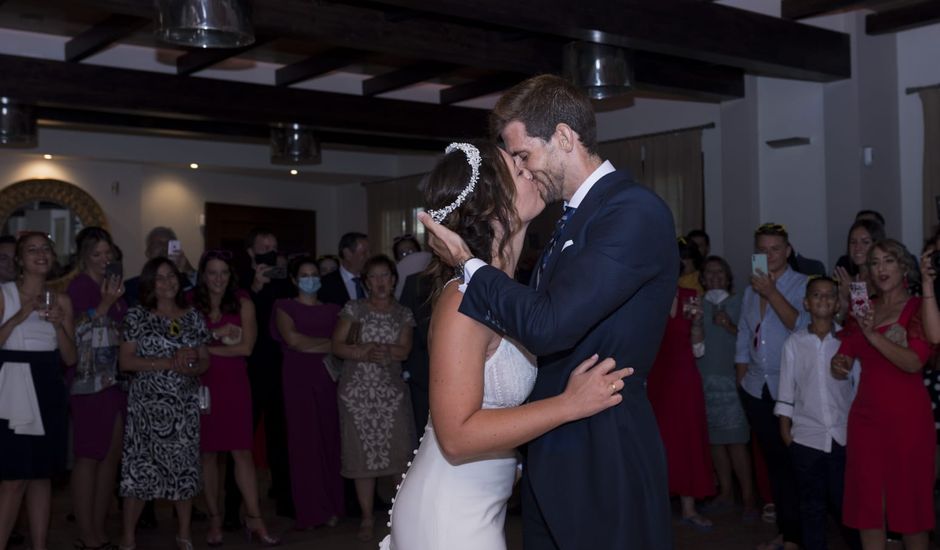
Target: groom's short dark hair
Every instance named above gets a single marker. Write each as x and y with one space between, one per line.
541 103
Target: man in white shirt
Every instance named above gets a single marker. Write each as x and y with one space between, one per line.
813 408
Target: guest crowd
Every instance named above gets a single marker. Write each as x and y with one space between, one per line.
789 396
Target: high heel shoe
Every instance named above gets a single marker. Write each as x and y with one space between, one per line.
184 544
214 536
259 535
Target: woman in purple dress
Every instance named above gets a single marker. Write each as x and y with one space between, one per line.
226 426
97 402
304 327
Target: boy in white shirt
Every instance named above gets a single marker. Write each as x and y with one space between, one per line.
813 408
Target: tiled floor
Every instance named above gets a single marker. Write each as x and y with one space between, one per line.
730 533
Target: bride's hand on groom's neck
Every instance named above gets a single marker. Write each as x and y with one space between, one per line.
444 242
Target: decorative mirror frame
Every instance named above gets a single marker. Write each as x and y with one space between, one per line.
76 199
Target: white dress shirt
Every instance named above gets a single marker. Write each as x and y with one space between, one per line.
605 168
817 403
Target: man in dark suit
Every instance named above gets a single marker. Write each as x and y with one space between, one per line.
344 284
604 285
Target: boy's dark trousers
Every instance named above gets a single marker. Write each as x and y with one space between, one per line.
820 479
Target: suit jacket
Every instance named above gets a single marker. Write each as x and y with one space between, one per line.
333 290
600 482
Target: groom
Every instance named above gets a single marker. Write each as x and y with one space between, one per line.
604 284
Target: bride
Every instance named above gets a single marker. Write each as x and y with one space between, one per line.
454 495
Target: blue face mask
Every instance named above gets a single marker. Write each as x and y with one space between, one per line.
308 285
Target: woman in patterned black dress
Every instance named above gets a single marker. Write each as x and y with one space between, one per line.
165 346
376 425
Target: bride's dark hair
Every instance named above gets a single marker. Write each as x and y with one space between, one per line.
491 203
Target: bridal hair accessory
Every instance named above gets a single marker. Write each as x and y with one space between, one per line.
473 159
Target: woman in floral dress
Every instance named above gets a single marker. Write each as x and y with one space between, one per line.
373 336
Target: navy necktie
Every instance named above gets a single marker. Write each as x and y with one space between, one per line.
360 290
559 228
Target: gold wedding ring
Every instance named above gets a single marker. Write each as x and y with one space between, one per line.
613 387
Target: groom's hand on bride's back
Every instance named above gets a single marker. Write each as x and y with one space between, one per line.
444 242
593 386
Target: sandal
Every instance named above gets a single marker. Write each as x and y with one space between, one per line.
214 535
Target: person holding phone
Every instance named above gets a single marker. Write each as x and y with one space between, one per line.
770 312
97 402
265 283
862 235
889 470
161 242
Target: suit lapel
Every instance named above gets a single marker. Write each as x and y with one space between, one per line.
588 207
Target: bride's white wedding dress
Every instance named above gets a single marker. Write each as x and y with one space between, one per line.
444 506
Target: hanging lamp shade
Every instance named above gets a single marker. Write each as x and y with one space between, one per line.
205 23
294 143
600 70
17 124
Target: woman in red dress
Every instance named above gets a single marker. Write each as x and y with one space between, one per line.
674 388
227 425
889 471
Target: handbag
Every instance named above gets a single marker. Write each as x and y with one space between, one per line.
96 341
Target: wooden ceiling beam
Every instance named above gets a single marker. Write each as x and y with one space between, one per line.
801 9
317 65
102 35
95 88
479 88
903 18
693 79
404 77
707 32
197 59
134 123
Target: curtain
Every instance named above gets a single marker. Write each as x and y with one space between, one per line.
671 165
393 207
931 101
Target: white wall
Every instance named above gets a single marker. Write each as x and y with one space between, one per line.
155 186
918 64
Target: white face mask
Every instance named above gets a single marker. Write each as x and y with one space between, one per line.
716 295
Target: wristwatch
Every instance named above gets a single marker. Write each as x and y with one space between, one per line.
459 269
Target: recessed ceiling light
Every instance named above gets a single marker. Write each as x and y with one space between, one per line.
293 172
193 165
47 156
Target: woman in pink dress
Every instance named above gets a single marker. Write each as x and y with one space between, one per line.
890 447
98 404
304 327
227 424
674 388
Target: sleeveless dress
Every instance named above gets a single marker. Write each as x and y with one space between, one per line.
674 388
462 506
34 342
313 442
228 426
890 442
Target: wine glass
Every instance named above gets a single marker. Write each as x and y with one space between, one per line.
46 303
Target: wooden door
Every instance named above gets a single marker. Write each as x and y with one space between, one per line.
228 224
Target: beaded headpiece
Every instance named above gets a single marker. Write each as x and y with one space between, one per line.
473 159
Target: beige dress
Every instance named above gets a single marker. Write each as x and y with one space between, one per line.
377 430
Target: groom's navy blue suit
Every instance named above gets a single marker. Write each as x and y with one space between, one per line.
597 483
